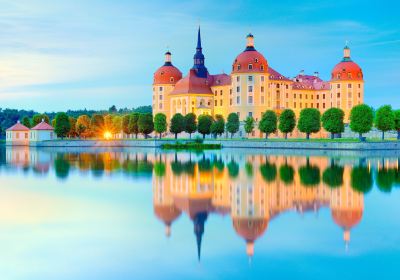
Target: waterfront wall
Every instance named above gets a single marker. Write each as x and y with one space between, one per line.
153 143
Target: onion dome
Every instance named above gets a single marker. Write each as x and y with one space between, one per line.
347 218
347 69
168 73
167 214
250 229
250 60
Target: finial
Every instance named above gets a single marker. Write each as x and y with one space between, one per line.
18 121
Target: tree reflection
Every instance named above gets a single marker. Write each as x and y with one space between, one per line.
309 175
385 179
61 166
268 171
361 179
233 169
286 174
333 175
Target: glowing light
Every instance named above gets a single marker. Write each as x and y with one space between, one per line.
107 135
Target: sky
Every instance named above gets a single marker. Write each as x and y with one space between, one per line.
71 54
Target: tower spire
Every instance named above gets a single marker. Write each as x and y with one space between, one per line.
198 222
346 52
198 58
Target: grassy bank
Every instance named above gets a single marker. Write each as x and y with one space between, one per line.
191 146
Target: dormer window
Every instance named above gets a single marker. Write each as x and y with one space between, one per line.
250 66
256 60
262 67
349 75
171 79
338 76
238 67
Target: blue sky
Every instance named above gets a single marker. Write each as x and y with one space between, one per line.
70 54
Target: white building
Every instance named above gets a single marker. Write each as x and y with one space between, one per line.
17 135
42 132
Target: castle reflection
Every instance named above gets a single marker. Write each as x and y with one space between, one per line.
252 189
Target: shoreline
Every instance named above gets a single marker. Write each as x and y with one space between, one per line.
316 144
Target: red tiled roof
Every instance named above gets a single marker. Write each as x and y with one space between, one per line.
274 75
221 80
43 126
309 82
193 84
167 74
256 59
18 127
347 70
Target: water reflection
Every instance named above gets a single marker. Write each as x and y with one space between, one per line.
252 189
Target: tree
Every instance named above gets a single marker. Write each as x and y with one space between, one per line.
309 121
37 119
72 131
286 173
62 126
108 123
82 126
396 115
287 122
177 124
97 125
26 122
232 124
125 124
113 109
160 123
384 119
133 123
249 124
218 126
361 119
190 124
268 123
117 124
333 121
204 125
146 124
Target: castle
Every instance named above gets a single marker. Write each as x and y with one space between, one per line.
253 87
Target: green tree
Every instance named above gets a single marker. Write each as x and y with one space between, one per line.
218 126
63 126
204 125
177 124
125 124
309 175
160 123
361 119
190 124
232 124
384 119
117 124
249 125
268 123
286 173
309 121
133 123
287 122
97 125
37 119
26 122
333 176
361 179
268 171
333 121
396 115
145 123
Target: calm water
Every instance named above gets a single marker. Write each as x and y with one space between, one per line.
231 214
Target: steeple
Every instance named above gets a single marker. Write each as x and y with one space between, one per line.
198 58
346 52
198 222
168 61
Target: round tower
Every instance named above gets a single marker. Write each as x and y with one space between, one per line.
164 82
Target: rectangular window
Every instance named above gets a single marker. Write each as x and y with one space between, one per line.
220 102
238 79
237 89
250 114
338 85
262 89
338 94
250 100
230 102
262 78
220 93
250 88
215 103
238 100
250 66
349 86
262 99
294 104
250 78
160 97
323 105
161 88
287 95
215 93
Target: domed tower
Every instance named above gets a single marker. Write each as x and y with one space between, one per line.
347 84
347 207
249 82
164 82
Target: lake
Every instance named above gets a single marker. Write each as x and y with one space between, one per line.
127 213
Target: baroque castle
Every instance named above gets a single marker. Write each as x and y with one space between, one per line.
253 87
